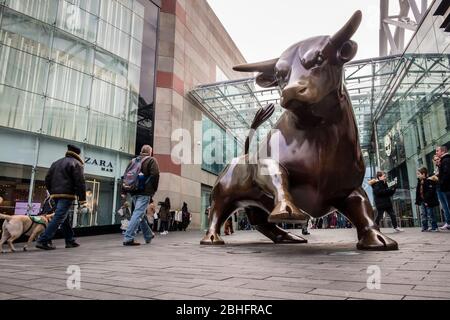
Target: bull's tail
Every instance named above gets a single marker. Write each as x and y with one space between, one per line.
5 217
261 116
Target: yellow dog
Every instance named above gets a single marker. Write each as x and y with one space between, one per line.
16 226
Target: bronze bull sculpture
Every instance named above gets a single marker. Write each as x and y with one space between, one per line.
319 167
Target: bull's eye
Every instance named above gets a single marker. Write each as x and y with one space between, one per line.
282 76
319 60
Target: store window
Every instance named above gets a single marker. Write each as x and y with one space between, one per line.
14 189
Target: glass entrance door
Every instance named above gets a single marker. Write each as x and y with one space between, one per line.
206 194
92 197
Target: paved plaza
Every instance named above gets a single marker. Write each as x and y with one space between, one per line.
249 267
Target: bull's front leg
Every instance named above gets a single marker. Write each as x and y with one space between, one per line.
358 210
273 179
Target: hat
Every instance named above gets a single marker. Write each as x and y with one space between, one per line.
74 149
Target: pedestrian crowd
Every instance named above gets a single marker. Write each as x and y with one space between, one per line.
65 183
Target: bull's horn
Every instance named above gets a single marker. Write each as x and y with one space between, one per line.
264 66
348 30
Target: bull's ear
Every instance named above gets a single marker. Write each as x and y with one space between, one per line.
266 80
347 51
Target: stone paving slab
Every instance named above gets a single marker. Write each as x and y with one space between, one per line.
248 267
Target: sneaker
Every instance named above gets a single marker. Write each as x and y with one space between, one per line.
434 230
131 243
445 227
424 230
306 233
398 230
72 244
44 246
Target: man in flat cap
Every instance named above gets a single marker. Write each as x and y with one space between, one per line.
65 183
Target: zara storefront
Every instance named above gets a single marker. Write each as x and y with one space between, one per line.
79 72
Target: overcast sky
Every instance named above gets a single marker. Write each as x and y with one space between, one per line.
263 29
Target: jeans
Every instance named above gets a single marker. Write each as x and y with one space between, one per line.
428 212
444 200
390 212
61 218
137 219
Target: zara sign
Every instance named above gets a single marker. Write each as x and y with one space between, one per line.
103 165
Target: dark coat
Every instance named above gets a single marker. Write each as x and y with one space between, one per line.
65 179
382 194
164 213
150 168
430 197
444 173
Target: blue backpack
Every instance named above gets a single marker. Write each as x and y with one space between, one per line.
133 179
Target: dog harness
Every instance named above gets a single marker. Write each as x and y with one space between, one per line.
35 220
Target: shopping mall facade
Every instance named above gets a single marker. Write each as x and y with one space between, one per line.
113 75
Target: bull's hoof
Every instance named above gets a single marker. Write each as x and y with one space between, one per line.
289 238
374 240
286 211
212 240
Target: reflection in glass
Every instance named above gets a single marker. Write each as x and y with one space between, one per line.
72 53
113 40
23 33
110 68
20 109
65 120
69 85
104 131
44 10
108 99
77 21
23 70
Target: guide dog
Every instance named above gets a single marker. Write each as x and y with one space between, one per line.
15 226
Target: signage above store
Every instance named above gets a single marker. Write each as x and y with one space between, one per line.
104 165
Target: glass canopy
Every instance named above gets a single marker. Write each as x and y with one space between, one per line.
233 104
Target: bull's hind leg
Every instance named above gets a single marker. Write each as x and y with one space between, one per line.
258 218
273 178
358 210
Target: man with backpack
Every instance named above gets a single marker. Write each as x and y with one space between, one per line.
141 181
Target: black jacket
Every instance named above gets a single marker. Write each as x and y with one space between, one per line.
150 168
444 173
65 179
430 197
382 194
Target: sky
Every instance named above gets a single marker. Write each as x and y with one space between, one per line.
263 29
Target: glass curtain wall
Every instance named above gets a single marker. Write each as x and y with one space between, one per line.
77 69
416 118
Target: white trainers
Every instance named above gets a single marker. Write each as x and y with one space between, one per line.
398 230
445 227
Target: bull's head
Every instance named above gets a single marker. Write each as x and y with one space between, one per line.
310 70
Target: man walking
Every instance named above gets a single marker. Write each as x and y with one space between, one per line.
141 194
65 183
444 177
